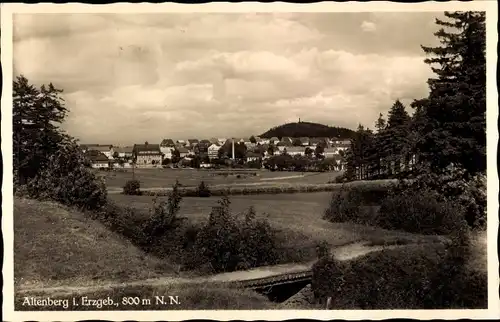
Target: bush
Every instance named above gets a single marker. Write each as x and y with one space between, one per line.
344 206
229 243
203 190
412 277
164 215
458 186
132 187
68 179
422 212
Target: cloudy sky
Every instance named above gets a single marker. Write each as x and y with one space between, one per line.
131 78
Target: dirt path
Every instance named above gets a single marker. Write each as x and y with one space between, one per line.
346 252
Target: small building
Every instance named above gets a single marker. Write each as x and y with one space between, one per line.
183 152
107 150
331 152
274 140
192 142
97 159
296 150
167 143
253 156
125 152
167 151
304 141
213 151
147 154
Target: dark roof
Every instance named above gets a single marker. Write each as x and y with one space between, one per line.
182 150
193 140
125 149
147 148
99 148
284 143
95 156
167 142
205 141
304 139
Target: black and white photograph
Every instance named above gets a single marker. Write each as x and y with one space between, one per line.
247 159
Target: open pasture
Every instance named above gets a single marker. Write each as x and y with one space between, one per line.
165 178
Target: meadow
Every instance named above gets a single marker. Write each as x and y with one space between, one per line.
165 178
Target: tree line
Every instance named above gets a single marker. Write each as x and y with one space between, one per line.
447 128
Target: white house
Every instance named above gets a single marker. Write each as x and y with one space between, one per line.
296 150
124 152
213 151
107 150
330 152
167 151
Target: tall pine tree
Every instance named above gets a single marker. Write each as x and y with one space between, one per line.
454 131
37 114
397 136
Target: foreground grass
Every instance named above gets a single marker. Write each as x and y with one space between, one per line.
183 297
54 245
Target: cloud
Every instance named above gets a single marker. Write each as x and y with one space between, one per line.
133 78
368 26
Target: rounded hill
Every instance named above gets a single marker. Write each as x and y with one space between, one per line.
308 129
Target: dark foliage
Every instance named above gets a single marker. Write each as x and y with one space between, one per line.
229 243
307 129
132 187
203 190
413 277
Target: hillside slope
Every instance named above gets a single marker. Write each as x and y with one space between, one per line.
308 129
55 245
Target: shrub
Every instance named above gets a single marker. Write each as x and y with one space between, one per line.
132 187
164 215
203 190
458 186
229 243
412 277
421 212
344 206
68 179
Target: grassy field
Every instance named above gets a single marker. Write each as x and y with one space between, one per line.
165 178
54 245
298 217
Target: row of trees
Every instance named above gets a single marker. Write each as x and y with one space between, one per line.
448 127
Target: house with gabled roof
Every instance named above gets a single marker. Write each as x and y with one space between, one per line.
286 139
192 142
283 144
213 151
167 143
296 150
147 154
253 156
124 152
274 140
304 141
107 150
183 152
97 159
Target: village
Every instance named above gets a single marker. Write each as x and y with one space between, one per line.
208 153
